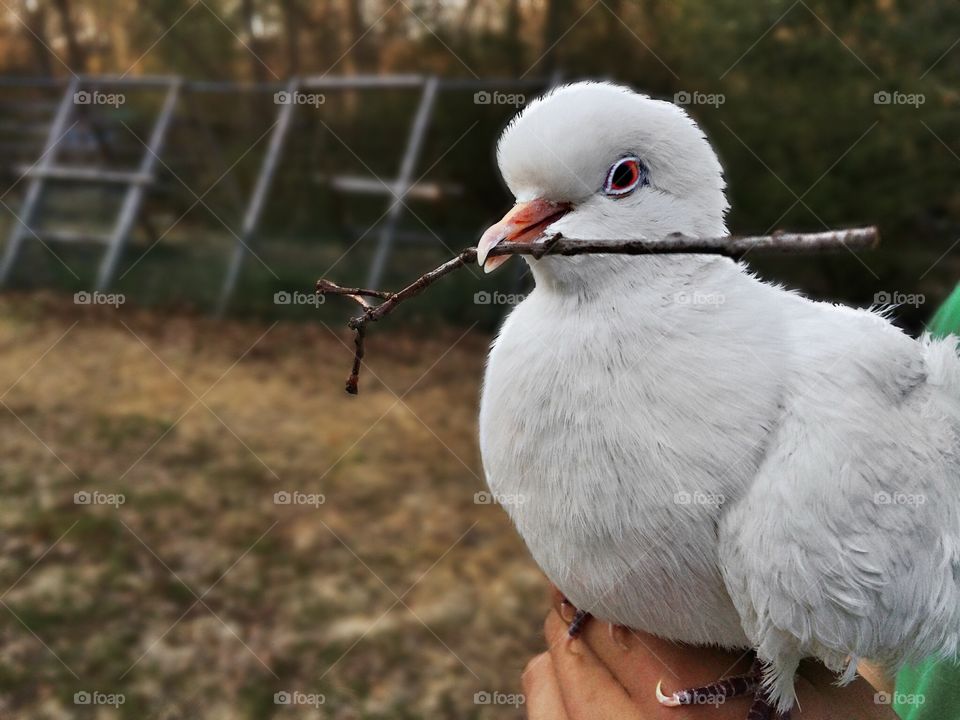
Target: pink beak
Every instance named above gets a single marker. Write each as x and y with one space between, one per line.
524 223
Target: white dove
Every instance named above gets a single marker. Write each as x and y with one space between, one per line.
702 455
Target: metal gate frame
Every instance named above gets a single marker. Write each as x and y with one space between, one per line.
136 181
397 190
278 137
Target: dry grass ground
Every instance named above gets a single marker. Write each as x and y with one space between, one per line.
199 596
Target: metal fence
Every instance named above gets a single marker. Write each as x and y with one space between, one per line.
98 160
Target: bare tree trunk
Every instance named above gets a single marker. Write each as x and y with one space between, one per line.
292 18
76 58
466 20
614 16
356 59
515 45
555 25
163 18
318 19
617 40
248 12
36 25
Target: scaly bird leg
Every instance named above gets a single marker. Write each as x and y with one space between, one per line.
578 620
763 709
723 690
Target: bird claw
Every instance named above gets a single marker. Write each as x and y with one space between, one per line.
671 700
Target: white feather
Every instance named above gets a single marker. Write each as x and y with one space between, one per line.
623 386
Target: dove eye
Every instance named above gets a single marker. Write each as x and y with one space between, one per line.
625 176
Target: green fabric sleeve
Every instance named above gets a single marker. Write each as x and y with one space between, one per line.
931 691
947 319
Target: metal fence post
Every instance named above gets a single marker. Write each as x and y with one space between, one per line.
135 191
402 184
22 223
265 177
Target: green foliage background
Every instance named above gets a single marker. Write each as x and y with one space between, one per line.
802 139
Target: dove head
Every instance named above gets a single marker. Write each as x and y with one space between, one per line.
597 161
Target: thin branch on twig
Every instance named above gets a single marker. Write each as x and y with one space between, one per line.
731 246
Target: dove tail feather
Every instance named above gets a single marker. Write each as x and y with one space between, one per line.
850 673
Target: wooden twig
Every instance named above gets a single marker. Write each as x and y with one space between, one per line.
730 246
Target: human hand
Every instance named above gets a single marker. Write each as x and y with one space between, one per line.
604 674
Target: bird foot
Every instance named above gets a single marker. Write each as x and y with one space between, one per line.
719 692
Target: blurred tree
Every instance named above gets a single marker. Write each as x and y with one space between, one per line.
252 25
514 38
35 23
292 22
76 57
557 23
194 49
798 124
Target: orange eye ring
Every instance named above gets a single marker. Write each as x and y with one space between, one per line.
625 176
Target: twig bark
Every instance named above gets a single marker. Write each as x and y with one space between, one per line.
731 246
